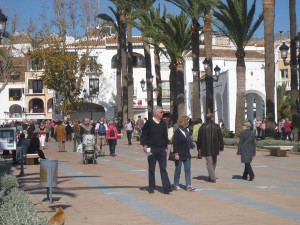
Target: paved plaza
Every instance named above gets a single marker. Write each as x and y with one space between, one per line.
114 191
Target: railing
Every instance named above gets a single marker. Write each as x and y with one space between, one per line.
34 91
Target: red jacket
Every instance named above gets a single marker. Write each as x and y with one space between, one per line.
111 127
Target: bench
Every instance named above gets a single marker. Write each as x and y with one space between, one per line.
29 160
279 150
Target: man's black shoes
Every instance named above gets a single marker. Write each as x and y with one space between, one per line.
168 190
151 191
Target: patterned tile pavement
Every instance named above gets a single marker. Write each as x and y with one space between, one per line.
114 191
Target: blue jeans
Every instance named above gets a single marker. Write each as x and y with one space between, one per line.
187 171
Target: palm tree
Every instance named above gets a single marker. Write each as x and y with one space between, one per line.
115 22
283 102
238 24
294 85
194 9
141 8
268 13
176 40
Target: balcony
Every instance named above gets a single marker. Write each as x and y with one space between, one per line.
31 91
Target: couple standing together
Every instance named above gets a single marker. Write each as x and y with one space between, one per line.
155 137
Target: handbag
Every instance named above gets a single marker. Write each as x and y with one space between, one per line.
171 156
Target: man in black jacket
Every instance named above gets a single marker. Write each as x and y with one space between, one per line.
154 139
210 143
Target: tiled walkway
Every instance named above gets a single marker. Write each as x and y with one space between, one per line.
113 191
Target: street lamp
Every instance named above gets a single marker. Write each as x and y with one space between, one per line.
143 82
214 78
3 20
294 61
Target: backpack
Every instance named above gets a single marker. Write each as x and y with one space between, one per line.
101 129
112 132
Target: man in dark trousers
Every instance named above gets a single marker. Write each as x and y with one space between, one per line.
210 143
154 139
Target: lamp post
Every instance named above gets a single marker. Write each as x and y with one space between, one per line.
209 79
3 20
293 63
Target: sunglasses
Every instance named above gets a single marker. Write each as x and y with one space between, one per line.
161 112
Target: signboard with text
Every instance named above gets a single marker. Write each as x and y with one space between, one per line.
8 139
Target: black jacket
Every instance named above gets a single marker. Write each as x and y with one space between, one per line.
181 145
155 135
210 139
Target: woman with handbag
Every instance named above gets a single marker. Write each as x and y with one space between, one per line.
247 150
182 143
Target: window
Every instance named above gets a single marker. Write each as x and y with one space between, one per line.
92 63
138 61
15 94
284 73
35 65
93 86
37 86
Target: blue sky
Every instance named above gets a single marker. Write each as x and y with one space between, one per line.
32 8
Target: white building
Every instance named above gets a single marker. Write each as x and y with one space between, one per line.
102 87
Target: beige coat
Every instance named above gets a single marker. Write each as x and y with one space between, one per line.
60 132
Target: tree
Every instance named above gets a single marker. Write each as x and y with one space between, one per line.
283 102
145 24
268 13
64 64
194 9
238 24
177 42
294 80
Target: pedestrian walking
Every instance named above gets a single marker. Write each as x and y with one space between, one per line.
182 143
197 125
210 143
76 135
100 131
129 130
155 143
247 150
112 136
69 131
42 135
139 126
61 136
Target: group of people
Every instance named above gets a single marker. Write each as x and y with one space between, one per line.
209 142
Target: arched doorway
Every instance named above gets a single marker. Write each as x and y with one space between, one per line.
36 105
15 111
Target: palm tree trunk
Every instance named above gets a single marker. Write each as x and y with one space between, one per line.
119 83
124 66
240 92
294 85
209 76
148 82
130 72
268 12
158 77
173 93
196 83
180 88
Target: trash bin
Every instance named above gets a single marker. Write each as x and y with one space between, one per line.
48 173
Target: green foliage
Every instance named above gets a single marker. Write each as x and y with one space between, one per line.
283 102
227 134
8 181
5 168
266 142
17 209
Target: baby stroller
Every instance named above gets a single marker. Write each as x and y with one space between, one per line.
88 150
